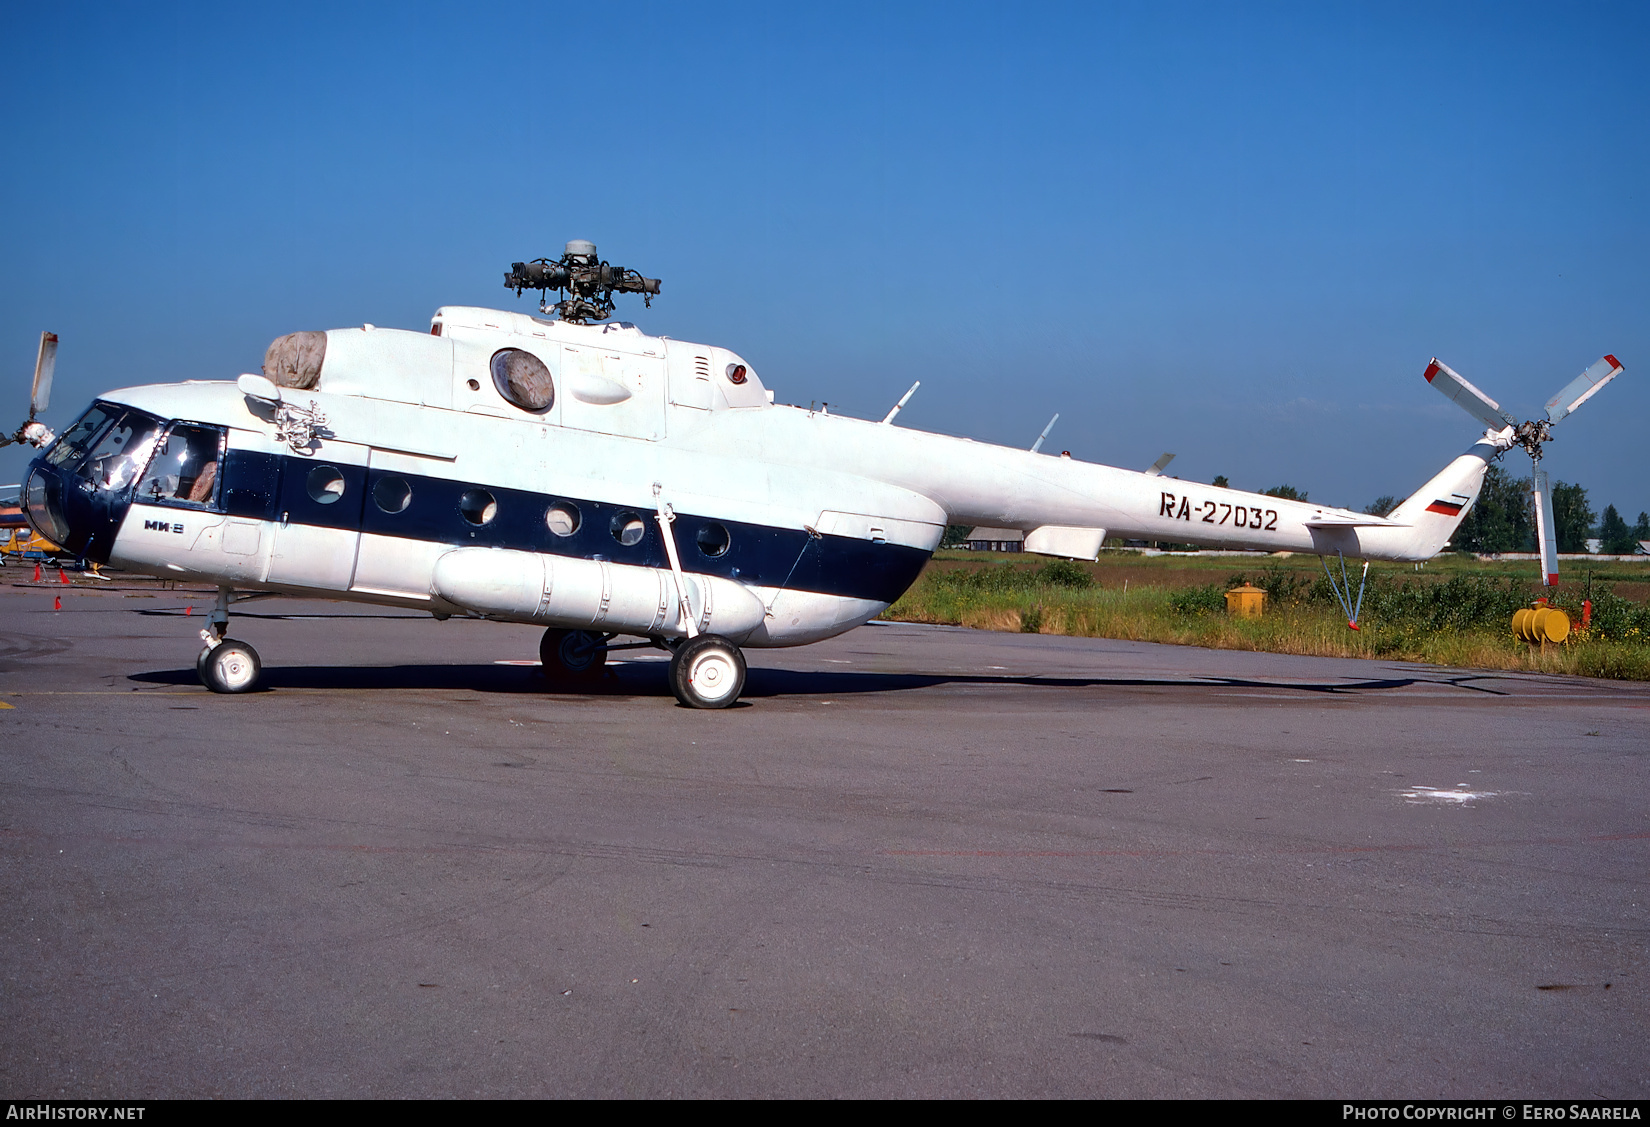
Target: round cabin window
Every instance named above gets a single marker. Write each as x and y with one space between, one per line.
477 506
562 518
523 379
325 484
392 494
713 540
628 529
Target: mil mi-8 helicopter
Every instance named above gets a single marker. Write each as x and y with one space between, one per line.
570 471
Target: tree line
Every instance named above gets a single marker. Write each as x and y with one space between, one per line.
1503 520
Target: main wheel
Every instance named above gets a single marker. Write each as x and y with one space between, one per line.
707 672
230 667
572 657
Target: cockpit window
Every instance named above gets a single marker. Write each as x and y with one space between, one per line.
184 469
122 451
78 438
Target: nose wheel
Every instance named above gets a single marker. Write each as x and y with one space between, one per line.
225 665
229 667
707 672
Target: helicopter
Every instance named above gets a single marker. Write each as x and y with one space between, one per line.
571 471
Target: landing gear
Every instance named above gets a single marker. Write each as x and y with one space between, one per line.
229 667
707 672
573 658
225 665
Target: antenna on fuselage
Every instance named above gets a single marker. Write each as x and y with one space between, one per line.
1038 445
903 400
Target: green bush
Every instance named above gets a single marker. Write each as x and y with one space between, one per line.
1193 601
1008 579
1065 573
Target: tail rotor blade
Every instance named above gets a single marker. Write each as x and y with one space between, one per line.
1467 397
1546 535
45 364
1582 388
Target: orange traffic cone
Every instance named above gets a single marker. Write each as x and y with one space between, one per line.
37 573
57 602
63 577
187 611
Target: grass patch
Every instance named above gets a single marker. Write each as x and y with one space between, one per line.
1459 614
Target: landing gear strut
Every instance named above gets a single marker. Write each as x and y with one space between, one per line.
225 665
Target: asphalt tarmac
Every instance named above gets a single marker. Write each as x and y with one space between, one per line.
914 861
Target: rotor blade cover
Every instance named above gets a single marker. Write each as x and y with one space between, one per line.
1546 536
1582 388
45 365
1469 398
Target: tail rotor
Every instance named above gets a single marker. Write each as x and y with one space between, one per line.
1504 432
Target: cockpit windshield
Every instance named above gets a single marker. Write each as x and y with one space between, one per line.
122 450
78 438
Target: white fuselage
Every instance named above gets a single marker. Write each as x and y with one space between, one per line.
426 487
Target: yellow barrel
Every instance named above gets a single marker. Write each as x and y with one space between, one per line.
1552 625
1541 624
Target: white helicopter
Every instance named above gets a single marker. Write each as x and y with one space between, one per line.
573 472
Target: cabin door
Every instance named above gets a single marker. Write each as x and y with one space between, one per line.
318 518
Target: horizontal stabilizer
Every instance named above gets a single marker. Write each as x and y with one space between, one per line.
1467 397
1068 543
1582 388
1160 465
1349 520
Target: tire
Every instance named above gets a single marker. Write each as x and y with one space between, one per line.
231 667
573 657
200 664
707 672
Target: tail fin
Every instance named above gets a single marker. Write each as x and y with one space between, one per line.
1433 512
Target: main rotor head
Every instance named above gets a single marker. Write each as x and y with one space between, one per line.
586 283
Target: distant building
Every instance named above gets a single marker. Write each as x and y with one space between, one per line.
1594 546
983 539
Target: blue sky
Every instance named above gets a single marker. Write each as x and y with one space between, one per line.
1234 231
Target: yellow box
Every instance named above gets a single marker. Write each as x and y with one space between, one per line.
1247 601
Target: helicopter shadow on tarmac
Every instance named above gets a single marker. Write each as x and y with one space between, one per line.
647 679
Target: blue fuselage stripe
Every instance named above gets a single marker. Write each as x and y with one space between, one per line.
278 487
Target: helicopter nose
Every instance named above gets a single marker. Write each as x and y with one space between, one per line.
43 504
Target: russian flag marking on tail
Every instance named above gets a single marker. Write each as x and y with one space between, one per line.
1448 508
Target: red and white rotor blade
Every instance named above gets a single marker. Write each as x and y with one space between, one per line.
1546 536
1582 388
45 365
1469 398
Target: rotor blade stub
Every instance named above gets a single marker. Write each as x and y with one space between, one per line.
1545 533
1467 397
1583 388
45 365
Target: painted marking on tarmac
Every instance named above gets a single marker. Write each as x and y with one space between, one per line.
1457 796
